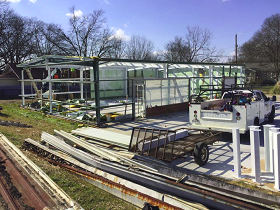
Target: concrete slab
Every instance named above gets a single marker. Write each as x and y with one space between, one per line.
172 121
220 161
221 155
221 158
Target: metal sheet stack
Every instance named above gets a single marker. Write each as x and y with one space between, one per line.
104 136
87 157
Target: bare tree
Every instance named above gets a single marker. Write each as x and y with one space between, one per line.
264 46
16 37
85 32
194 47
139 48
118 47
44 40
177 50
105 44
50 39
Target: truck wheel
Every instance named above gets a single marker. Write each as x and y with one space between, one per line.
256 121
271 115
201 153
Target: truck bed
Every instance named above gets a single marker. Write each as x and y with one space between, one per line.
219 120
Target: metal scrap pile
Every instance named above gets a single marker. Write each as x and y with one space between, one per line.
138 181
81 109
23 185
104 168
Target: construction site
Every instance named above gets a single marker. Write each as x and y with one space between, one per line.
102 90
143 131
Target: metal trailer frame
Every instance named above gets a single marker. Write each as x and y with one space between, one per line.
163 145
49 61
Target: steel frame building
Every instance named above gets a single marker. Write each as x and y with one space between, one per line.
194 72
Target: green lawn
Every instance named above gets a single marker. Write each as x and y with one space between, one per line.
87 195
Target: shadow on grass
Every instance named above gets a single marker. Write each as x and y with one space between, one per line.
4 115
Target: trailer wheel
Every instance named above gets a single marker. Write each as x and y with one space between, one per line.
271 115
256 121
201 153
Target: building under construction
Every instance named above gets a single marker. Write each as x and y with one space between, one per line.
102 89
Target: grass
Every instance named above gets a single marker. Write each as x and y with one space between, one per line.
86 194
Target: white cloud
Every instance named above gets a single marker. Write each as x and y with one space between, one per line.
17 1
107 2
12 1
77 13
120 34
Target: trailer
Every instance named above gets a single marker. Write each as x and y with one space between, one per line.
168 145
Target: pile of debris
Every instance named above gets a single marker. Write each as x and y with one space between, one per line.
85 151
80 109
23 185
136 179
108 166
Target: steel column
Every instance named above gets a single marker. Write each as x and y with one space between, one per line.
22 87
50 84
133 101
96 91
82 84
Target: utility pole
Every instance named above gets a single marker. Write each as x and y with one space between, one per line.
236 46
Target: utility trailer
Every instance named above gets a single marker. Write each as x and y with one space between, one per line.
239 107
168 145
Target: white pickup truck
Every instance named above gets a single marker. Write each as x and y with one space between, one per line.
236 109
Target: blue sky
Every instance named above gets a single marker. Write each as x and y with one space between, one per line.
161 20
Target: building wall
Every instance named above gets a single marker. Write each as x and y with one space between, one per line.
117 71
4 82
11 88
109 89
